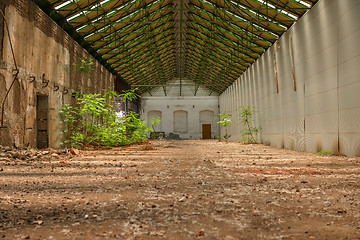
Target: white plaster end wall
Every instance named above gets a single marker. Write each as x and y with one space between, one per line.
183 115
324 111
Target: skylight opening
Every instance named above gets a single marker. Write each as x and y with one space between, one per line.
209 3
62 5
289 14
237 4
103 2
97 19
157 1
99 30
267 4
95 6
110 13
82 27
75 16
303 3
92 34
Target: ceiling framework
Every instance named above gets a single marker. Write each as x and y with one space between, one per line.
151 42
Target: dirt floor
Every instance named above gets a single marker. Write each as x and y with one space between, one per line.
189 189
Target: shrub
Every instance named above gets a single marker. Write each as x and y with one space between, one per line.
225 121
92 121
246 115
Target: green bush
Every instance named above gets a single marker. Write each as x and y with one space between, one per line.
93 121
225 121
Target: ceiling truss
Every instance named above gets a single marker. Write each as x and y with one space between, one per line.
151 42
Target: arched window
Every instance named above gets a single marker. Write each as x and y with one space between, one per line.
206 116
180 121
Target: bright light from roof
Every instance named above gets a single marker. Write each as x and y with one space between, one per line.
80 28
75 16
267 4
62 5
105 1
289 14
304 3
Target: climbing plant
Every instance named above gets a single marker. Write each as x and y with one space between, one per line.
249 133
225 121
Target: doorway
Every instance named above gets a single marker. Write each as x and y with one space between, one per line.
42 124
206 131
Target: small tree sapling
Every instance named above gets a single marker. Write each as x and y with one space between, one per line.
225 121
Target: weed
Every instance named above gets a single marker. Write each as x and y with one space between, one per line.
225 121
246 115
324 153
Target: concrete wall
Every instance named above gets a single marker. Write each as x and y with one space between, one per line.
172 107
41 48
323 51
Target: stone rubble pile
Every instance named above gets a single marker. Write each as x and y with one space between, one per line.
8 153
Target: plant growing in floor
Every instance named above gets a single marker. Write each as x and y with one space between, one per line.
225 121
92 120
246 115
130 95
154 122
324 153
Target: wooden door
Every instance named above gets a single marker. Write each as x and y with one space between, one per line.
206 131
42 115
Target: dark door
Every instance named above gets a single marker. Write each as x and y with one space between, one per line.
206 131
42 116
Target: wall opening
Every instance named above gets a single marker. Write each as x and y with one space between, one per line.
206 131
154 114
42 121
181 121
206 120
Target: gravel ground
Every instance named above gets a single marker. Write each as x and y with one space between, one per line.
188 189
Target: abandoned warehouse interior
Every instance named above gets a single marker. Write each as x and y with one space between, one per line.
295 61
189 70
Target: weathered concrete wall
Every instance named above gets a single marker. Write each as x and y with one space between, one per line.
323 113
42 50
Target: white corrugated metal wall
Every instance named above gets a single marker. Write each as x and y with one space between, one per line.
324 111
